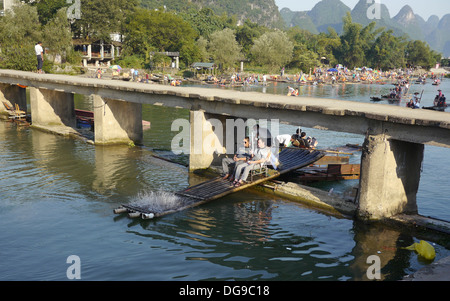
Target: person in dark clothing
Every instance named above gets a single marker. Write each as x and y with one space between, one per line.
242 156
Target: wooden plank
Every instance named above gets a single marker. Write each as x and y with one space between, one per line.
343 169
333 172
332 160
350 169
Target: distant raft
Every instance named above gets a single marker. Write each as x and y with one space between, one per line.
290 159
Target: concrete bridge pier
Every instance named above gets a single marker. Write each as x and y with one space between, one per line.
116 121
52 108
390 175
207 139
13 94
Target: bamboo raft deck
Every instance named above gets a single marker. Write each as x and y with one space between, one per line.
290 160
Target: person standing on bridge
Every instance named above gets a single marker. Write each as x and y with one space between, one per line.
40 56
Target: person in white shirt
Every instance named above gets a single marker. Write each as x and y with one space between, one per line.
40 56
283 140
242 171
416 100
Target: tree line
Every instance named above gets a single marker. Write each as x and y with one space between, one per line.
199 36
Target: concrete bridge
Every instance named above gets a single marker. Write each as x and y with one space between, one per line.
392 153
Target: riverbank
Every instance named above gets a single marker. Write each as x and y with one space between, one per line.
251 78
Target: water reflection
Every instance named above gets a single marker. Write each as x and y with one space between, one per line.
113 168
268 239
387 244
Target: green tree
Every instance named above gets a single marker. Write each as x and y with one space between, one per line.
247 34
205 21
356 42
202 46
305 49
327 43
273 49
57 35
20 30
158 31
47 9
388 52
224 48
304 59
351 52
99 18
419 53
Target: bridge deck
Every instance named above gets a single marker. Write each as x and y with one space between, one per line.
357 117
290 159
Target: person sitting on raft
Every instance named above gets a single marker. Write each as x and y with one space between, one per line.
442 102
291 91
414 102
241 171
241 157
303 141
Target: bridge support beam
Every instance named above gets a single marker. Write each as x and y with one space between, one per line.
52 108
207 139
390 175
13 94
117 122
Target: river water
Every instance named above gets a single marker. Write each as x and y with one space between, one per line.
57 197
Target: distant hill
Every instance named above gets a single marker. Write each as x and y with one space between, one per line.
263 12
300 19
329 13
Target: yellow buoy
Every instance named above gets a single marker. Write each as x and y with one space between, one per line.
424 249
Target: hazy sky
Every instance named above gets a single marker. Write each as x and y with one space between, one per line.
424 8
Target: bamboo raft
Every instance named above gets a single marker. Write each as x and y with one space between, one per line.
290 159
